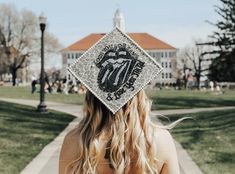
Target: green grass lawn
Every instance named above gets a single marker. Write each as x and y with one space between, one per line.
162 99
209 140
25 93
24 132
172 99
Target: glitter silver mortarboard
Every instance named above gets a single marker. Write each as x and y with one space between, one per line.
115 69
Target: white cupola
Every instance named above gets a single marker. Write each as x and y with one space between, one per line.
118 20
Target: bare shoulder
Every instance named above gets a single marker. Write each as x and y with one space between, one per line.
70 145
166 151
69 150
165 144
72 135
163 134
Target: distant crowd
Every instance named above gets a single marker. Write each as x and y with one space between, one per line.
59 86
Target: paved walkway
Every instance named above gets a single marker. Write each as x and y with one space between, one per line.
46 162
187 111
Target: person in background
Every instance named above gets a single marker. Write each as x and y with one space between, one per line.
33 85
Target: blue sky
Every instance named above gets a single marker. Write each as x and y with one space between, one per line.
175 21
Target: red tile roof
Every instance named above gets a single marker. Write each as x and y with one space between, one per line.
145 40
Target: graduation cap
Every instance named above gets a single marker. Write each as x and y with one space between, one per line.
115 69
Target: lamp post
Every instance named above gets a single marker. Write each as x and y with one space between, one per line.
42 106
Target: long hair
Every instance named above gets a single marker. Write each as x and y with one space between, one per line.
129 133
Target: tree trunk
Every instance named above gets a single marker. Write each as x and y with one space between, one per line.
198 81
199 72
185 77
14 76
185 83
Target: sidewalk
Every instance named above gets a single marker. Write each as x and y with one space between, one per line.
187 111
46 162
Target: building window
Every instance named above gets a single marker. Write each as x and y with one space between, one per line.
77 55
69 77
72 56
162 54
64 60
166 64
165 54
162 75
166 75
169 64
162 64
158 54
170 76
68 55
154 54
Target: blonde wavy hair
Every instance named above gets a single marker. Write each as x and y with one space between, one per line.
129 132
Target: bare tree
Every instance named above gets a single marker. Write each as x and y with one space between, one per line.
194 58
3 68
183 66
19 39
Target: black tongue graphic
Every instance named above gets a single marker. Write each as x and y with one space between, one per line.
115 69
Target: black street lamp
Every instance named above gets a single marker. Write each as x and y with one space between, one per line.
42 106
